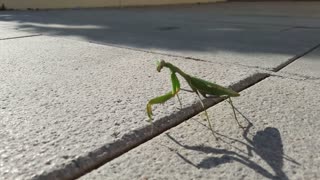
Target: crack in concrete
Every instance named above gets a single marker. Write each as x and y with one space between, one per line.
19 37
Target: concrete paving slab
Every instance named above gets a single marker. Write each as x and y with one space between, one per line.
8 30
67 105
257 34
283 142
308 66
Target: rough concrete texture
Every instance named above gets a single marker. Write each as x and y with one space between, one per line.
63 99
283 142
69 105
9 32
251 34
308 66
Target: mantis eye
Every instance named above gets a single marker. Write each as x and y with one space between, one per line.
160 65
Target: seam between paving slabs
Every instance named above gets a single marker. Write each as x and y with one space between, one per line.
84 164
93 160
19 37
146 51
291 60
276 69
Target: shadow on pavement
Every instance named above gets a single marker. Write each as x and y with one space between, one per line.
210 28
267 144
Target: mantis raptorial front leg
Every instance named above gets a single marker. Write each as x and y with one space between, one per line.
166 97
198 86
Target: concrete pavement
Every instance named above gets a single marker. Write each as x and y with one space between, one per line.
262 35
64 99
74 89
283 142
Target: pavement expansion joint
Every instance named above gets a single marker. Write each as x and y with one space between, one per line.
83 165
293 76
149 51
276 69
164 124
179 56
19 37
102 155
289 61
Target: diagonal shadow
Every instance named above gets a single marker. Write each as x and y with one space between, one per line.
228 157
267 144
210 30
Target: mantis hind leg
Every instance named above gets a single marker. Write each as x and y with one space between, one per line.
207 116
234 112
179 101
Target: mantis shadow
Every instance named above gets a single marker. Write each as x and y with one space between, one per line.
267 144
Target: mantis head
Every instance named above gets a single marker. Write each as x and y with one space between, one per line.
160 65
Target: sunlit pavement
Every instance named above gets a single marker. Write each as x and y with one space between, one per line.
75 83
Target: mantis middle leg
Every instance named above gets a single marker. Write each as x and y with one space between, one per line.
206 113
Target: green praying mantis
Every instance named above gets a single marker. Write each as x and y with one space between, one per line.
197 85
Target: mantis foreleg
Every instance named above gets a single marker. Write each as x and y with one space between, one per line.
166 97
158 100
175 86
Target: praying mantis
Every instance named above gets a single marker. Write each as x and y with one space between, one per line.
197 85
